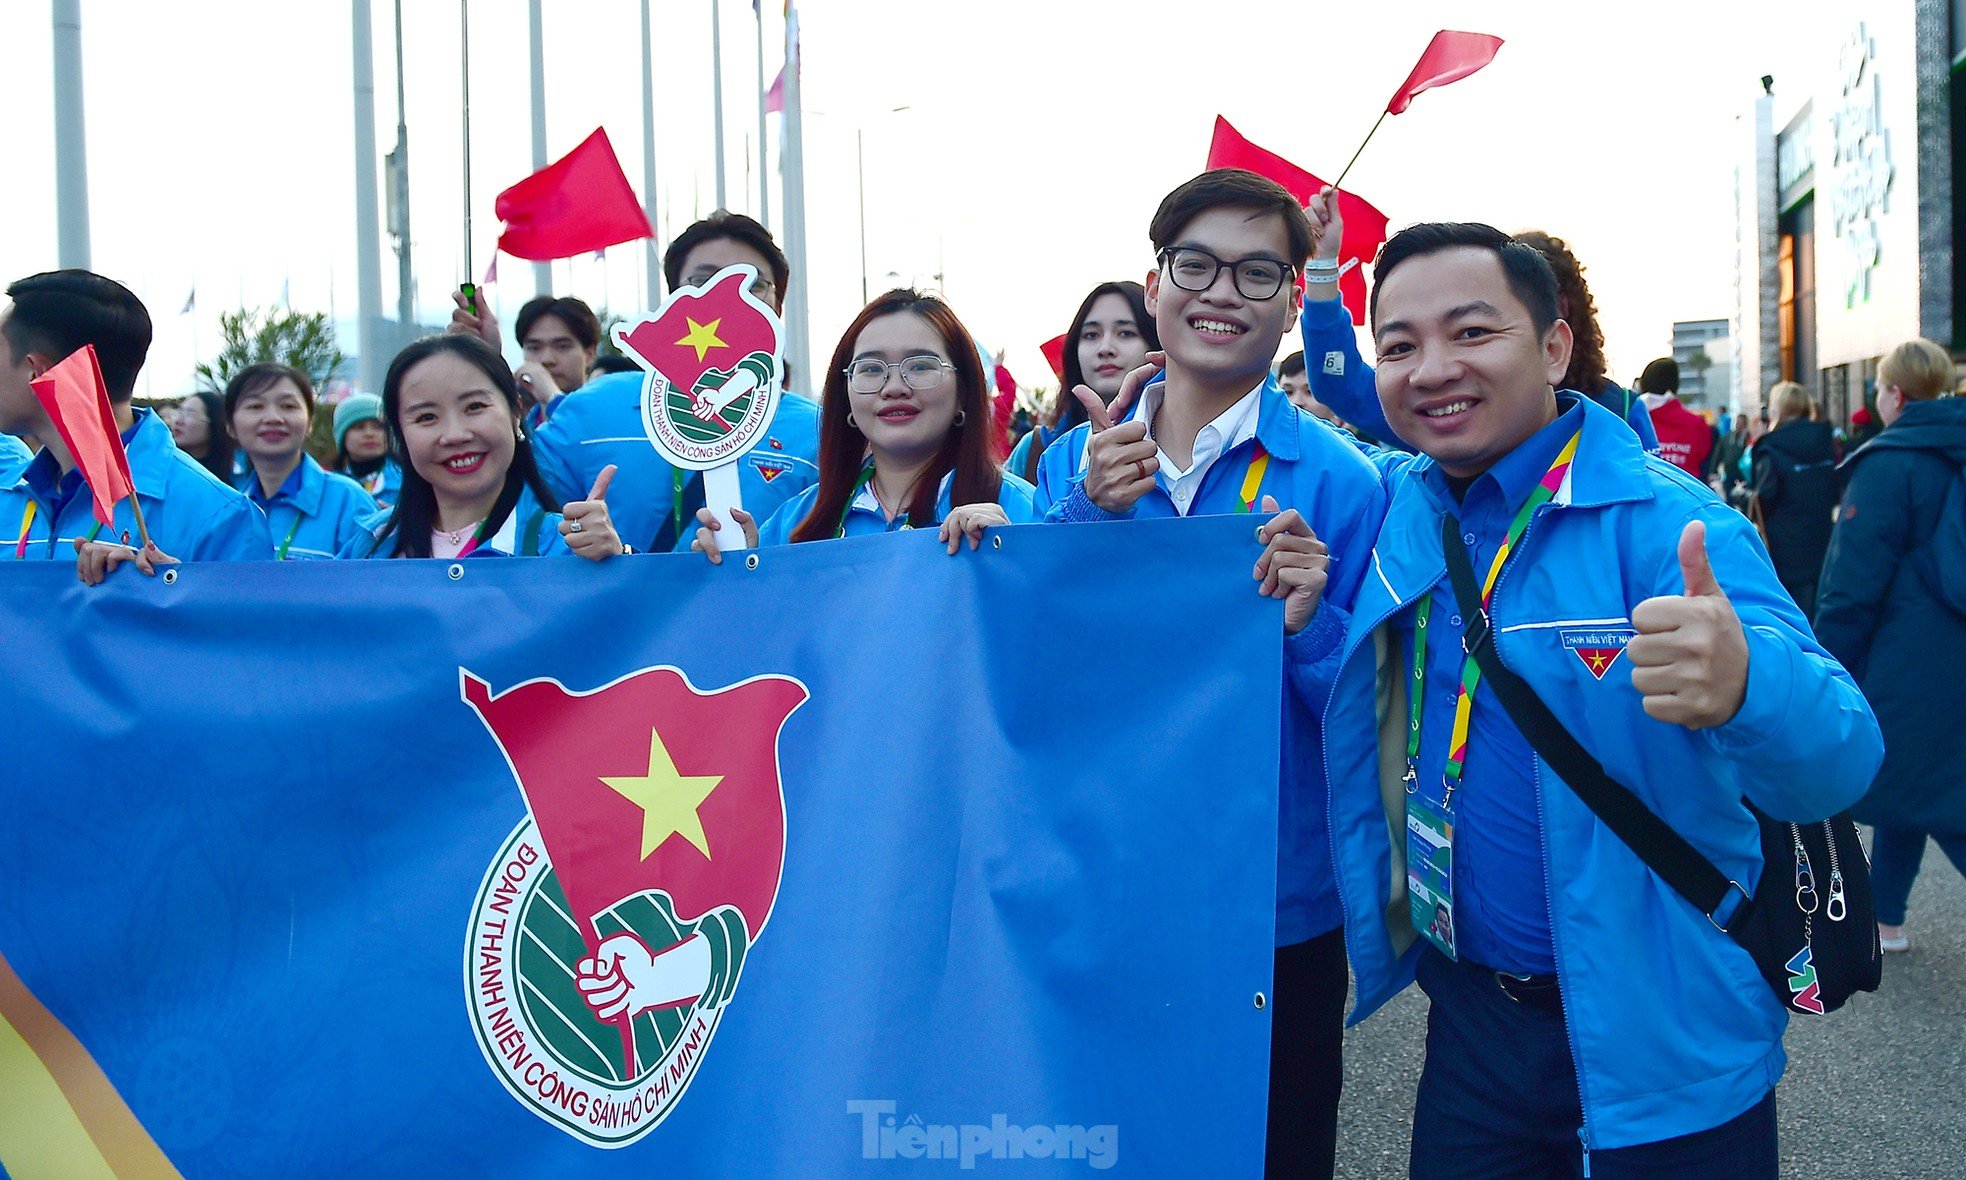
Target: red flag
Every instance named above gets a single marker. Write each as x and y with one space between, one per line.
73 394
578 203
649 785
1450 57
1054 351
1365 226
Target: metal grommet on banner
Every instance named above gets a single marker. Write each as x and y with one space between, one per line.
170 577
456 571
751 562
1261 1001
996 542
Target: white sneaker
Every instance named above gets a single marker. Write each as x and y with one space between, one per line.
1892 939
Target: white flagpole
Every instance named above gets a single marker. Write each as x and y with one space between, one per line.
797 316
653 246
764 152
717 89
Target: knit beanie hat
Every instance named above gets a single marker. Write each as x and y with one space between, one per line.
356 407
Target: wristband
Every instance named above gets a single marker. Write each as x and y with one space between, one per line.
1325 278
1321 264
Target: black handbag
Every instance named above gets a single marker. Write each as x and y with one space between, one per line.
1813 935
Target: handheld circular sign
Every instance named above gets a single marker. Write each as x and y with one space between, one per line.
713 382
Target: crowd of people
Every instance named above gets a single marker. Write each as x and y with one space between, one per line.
1421 833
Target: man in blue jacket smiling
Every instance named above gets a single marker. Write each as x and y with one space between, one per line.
1584 1016
1216 434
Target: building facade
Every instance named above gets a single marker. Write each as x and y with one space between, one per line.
1845 206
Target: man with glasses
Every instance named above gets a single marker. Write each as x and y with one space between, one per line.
654 504
1214 433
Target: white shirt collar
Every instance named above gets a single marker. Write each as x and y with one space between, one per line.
1230 429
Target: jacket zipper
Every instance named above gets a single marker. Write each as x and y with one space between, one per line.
1542 820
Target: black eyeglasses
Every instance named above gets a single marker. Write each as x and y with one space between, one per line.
1192 268
763 288
919 373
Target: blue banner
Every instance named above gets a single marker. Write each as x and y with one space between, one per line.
837 857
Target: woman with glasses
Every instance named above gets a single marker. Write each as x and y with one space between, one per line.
904 438
194 423
471 488
1111 336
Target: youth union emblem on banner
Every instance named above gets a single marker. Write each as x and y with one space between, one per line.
608 937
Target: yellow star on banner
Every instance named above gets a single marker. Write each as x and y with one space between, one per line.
669 800
703 337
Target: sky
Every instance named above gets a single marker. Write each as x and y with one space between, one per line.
1035 143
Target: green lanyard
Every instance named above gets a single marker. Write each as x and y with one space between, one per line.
678 479
282 554
1457 742
859 485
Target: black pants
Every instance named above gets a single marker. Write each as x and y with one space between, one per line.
1307 1068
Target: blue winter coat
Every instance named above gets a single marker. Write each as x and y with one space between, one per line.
1320 473
192 516
864 515
314 520
1341 379
14 458
1672 1028
601 423
1881 611
528 524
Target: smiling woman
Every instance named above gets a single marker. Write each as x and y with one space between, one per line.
904 437
310 512
471 487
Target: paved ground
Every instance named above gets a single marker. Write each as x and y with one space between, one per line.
1872 1090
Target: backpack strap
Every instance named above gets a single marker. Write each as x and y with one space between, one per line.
1663 850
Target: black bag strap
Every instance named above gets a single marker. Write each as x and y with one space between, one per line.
1663 850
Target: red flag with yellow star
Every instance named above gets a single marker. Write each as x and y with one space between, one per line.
650 785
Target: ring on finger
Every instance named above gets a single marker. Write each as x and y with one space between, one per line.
575 527
1141 466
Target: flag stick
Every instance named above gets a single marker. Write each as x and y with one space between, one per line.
1361 150
136 510
464 14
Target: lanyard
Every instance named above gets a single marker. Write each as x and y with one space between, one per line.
1252 480
471 546
27 522
282 554
678 480
1457 742
859 485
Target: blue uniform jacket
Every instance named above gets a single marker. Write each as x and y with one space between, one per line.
528 517
192 516
1672 1028
602 424
1322 475
14 458
315 520
864 515
1341 379
383 485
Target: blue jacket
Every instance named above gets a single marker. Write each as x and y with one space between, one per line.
384 484
1322 475
529 521
864 515
314 514
602 424
1672 1028
1341 379
192 516
14 458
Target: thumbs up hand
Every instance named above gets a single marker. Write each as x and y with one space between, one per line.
586 525
1690 656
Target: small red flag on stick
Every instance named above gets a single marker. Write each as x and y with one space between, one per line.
78 404
579 203
1449 57
1365 226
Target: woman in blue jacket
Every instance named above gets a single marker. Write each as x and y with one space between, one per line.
361 443
904 438
471 488
1110 337
311 513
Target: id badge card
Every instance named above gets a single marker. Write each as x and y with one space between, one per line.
1430 872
